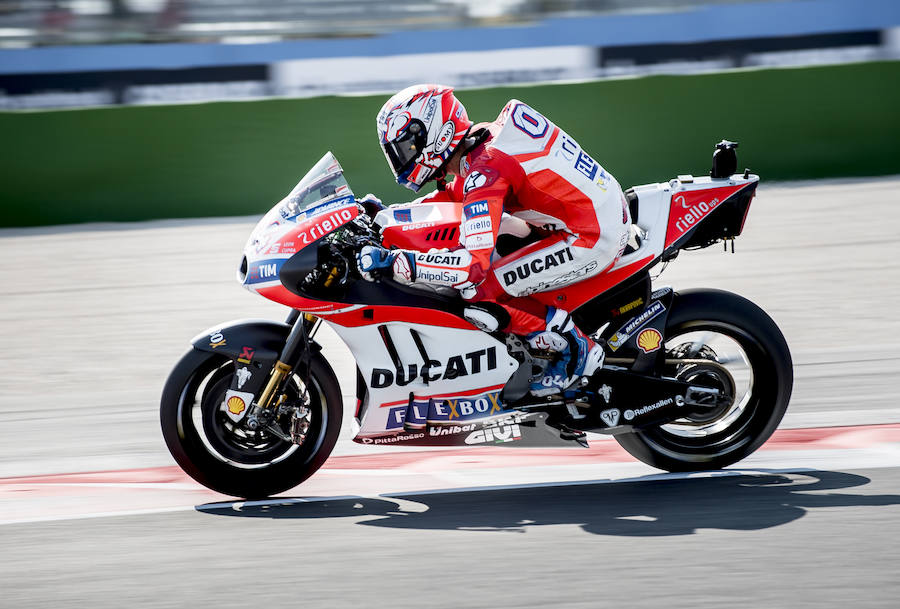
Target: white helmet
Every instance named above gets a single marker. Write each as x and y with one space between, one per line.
419 128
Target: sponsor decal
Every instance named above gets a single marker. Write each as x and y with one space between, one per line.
402 268
439 259
474 362
479 241
618 339
462 408
606 392
630 414
243 375
566 279
429 110
537 265
325 223
402 437
235 404
629 307
479 178
586 166
403 215
478 225
330 206
496 434
610 417
216 339
407 227
396 417
246 355
262 271
450 430
291 211
443 277
649 340
657 294
695 212
567 147
478 208
445 136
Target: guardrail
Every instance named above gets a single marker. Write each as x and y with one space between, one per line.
234 158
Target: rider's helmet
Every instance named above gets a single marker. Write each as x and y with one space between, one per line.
419 128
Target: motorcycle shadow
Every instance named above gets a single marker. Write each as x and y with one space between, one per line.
677 506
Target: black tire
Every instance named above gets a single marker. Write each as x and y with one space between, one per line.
193 391
743 429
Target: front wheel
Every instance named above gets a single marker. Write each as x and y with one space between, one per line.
229 458
749 360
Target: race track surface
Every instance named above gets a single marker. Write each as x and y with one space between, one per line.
93 317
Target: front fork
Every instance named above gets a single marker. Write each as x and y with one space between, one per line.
296 349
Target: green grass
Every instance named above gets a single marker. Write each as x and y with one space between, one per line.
230 158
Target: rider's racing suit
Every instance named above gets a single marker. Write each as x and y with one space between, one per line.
532 170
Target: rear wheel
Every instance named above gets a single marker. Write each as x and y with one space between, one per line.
720 340
231 459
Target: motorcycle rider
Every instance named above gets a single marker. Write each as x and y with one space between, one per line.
521 167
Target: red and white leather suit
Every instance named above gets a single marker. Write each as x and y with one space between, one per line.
534 171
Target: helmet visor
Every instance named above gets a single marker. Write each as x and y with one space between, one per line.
406 147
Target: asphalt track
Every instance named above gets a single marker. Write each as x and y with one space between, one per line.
93 317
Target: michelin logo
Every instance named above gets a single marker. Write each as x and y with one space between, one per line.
619 338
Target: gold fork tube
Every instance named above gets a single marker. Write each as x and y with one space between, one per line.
281 370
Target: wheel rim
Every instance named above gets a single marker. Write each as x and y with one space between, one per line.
711 434
202 408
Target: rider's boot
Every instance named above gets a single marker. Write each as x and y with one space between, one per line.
579 356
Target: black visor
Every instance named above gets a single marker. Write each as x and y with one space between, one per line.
404 150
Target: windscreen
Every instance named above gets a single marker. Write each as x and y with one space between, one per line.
322 187
323 184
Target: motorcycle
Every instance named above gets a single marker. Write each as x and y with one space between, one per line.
692 380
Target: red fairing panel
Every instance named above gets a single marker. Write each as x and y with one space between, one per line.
690 207
421 229
573 296
369 316
282 295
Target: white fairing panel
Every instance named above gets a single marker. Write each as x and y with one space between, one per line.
655 203
462 362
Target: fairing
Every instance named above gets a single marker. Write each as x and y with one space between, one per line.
428 376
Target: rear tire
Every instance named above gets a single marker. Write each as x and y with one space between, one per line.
718 440
238 463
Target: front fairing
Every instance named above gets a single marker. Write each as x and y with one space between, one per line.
320 203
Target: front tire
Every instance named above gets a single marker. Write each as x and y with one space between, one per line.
700 321
233 461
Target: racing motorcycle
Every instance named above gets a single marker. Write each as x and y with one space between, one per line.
692 380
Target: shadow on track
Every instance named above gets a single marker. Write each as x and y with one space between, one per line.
641 508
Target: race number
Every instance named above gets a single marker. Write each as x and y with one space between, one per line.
529 121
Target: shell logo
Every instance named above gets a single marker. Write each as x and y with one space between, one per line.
649 340
236 405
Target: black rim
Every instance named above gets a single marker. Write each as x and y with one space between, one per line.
202 410
706 436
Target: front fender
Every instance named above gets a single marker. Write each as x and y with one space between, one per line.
254 346
257 341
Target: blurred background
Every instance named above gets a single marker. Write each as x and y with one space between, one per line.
187 108
119 111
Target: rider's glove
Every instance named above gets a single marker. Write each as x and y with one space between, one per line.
371 204
374 261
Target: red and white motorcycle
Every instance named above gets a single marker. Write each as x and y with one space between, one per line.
692 380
